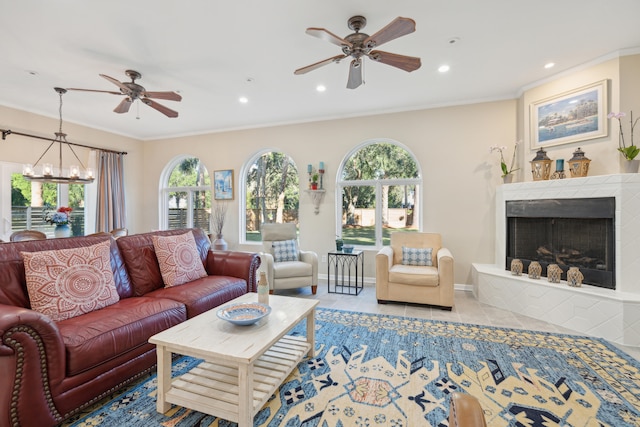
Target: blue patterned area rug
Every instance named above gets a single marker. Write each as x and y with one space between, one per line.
378 370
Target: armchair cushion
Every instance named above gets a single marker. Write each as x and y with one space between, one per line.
414 275
287 269
285 250
416 256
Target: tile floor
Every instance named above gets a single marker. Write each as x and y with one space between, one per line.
467 309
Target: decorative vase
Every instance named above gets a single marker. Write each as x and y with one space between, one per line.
339 244
314 185
516 267
554 273
535 270
574 277
219 243
507 179
629 166
62 230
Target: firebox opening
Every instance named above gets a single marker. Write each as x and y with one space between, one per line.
570 233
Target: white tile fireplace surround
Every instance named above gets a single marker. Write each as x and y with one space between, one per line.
606 313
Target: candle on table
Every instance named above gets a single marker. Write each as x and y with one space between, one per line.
560 164
321 165
309 168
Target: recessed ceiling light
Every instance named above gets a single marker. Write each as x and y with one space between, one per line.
321 88
443 68
453 40
243 99
549 65
32 73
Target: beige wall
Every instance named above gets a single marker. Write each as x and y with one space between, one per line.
451 144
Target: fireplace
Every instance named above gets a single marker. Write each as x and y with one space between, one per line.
568 232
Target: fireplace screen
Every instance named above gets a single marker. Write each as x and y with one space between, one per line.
570 233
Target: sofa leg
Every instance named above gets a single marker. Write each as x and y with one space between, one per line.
314 289
270 291
381 301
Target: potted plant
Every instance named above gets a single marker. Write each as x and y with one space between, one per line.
218 216
314 181
631 151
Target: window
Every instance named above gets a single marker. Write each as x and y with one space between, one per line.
31 201
271 192
378 185
186 195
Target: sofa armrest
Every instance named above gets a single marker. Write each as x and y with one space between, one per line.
465 411
445 266
384 262
311 257
242 265
32 357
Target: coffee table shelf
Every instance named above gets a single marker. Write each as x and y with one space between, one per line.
196 388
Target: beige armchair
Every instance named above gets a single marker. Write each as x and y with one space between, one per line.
298 270
408 282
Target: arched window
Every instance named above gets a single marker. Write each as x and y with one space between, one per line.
185 200
270 187
378 190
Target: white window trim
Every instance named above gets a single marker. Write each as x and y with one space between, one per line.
164 189
378 184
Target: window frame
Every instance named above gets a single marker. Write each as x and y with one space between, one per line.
242 223
164 189
377 184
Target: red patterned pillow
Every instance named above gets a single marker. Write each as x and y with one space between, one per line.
66 283
178 258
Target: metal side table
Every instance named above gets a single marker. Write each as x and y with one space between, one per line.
342 272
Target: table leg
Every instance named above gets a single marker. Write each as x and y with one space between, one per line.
311 332
164 378
245 395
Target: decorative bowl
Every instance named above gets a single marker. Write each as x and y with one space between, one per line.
244 313
347 249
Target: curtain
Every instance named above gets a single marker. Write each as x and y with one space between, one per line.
110 211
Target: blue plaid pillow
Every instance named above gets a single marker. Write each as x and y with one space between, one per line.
416 256
285 250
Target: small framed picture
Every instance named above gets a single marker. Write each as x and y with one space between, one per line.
223 184
573 116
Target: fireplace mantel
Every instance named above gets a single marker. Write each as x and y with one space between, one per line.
610 314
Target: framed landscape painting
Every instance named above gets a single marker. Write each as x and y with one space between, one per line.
573 116
223 184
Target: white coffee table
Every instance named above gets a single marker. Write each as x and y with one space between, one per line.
243 365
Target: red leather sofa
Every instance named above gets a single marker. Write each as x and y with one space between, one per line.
50 370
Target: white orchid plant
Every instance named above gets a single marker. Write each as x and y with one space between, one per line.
506 170
628 151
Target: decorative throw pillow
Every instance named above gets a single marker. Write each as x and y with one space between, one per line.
178 258
416 256
285 250
66 283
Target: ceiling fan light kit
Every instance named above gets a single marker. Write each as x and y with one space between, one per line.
133 91
358 45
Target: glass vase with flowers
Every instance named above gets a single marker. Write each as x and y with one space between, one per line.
61 219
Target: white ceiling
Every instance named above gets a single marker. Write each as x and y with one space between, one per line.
208 49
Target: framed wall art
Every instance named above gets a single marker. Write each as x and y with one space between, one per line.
573 116
223 184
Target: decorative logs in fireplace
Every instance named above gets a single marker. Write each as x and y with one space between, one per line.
569 257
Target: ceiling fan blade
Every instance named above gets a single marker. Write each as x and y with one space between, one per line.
406 63
92 90
397 28
355 74
327 35
170 96
116 82
319 64
124 106
164 110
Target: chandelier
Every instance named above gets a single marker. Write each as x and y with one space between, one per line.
47 172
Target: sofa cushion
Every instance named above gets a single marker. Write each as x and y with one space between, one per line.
414 275
178 259
102 335
285 250
416 256
203 294
283 270
138 253
66 283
